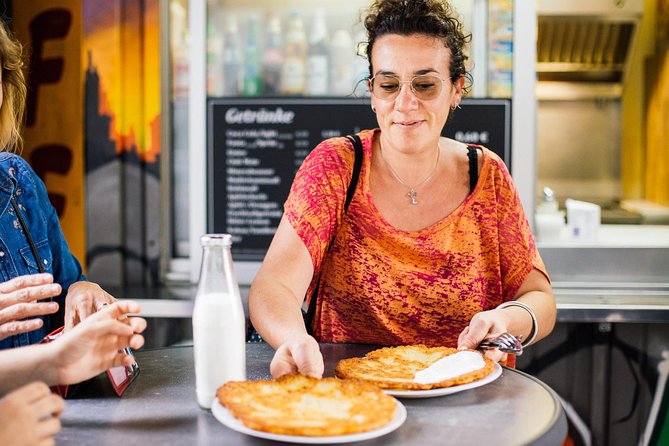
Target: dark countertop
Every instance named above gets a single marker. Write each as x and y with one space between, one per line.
160 408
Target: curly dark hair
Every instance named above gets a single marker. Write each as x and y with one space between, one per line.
14 91
430 17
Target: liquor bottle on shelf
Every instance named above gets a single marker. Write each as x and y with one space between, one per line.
273 57
293 72
252 78
500 49
179 42
360 66
219 324
214 61
342 52
232 58
318 56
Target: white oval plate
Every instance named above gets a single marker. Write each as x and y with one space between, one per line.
496 373
224 416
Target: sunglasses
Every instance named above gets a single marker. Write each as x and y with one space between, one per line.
425 87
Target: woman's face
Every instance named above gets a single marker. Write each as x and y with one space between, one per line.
407 122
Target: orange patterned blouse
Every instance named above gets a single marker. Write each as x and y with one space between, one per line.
381 285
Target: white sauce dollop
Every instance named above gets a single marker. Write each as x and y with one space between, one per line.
450 366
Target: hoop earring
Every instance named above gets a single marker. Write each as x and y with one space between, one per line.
455 106
373 109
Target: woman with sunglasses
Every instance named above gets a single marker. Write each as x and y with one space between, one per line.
434 247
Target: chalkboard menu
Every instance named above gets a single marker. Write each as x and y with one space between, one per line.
255 146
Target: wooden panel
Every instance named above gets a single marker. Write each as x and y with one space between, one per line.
51 33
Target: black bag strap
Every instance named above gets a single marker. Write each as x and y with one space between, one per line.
472 154
357 166
24 226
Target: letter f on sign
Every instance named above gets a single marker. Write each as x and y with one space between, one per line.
50 24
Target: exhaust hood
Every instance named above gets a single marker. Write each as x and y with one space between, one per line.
585 43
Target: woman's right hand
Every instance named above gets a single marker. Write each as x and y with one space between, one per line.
30 416
299 354
19 300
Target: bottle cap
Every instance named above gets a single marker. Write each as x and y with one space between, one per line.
549 204
549 195
216 240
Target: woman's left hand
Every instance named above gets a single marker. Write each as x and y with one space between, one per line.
84 299
486 324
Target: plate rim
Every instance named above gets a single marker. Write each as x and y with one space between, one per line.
222 414
442 391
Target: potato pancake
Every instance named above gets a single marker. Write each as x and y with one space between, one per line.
396 367
301 405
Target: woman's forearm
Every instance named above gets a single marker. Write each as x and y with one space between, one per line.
537 294
542 305
22 365
275 312
278 290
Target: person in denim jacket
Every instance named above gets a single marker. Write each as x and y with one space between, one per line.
42 284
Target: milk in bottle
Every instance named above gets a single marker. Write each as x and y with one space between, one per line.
219 325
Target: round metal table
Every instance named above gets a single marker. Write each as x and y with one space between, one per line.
160 408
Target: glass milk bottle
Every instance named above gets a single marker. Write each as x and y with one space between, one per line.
219 325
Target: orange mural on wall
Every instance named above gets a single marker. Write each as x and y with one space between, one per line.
121 43
122 140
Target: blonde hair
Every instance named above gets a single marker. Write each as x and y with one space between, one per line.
14 91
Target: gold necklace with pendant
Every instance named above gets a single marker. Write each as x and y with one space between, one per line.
412 194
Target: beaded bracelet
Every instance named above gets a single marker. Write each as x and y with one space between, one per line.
535 324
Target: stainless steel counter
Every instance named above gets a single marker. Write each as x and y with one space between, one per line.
160 408
614 282
627 303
